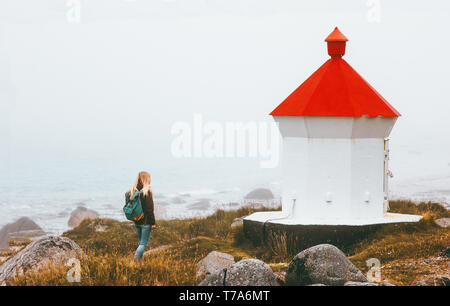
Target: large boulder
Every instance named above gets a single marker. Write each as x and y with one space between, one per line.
259 194
247 272
213 262
215 279
38 254
324 264
79 214
23 228
250 272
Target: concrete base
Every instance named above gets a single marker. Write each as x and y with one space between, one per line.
276 230
278 217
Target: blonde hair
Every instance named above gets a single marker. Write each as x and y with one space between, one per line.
142 183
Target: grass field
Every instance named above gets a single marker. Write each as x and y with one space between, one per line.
407 252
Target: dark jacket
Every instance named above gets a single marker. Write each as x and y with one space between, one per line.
147 207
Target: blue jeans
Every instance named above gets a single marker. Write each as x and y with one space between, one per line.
143 234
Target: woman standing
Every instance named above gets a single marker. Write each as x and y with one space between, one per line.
145 225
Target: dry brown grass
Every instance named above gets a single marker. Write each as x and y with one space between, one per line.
109 259
397 245
162 269
409 271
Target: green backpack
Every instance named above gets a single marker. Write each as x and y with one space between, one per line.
133 207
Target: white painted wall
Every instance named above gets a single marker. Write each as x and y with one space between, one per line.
333 167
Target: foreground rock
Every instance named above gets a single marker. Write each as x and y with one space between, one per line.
215 279
259 194
79 214
365 284
438 281
212 263
250 272
322 264
368 284
23 228
38 254
247 272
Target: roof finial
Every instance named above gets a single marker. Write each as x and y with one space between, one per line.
336 43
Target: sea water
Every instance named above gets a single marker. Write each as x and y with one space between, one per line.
48 190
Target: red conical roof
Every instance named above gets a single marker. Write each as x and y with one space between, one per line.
335 89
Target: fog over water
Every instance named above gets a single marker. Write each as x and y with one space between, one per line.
85 106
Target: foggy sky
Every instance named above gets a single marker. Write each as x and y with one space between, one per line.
130 69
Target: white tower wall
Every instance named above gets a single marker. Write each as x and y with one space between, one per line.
333 167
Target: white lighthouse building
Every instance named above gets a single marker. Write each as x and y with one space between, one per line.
334 130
